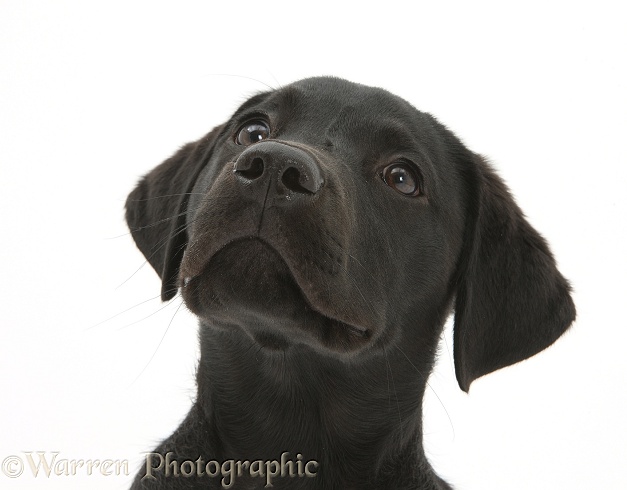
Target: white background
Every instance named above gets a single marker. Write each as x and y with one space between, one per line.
95 94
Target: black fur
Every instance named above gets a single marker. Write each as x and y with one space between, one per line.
322 290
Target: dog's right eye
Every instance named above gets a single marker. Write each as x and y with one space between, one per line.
403 178
252 132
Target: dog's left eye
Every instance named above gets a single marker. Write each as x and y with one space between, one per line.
252 132
402 177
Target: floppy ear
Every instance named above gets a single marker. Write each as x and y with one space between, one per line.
511 301
156 208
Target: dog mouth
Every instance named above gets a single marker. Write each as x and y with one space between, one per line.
248 282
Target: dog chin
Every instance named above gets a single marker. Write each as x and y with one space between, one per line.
247 284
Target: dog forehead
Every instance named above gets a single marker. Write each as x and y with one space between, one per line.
333 108
323 103
351 103
334 91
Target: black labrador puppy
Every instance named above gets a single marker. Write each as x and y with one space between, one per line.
322 236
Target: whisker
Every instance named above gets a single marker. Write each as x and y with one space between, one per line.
242 77
150 225
180 194
160 245
369 272
398 407
158 345
275 79
163 307
430 387
443 340
354 281
122 312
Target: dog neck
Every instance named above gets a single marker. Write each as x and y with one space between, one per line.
359 425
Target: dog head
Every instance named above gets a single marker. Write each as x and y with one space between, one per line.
337 216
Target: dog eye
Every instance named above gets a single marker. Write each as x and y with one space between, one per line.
252 132
402 177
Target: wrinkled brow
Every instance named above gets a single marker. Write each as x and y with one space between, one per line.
250 103
389 133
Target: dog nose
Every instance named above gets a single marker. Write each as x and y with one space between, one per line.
293 169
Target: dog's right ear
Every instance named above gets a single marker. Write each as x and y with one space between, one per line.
511 302
156 209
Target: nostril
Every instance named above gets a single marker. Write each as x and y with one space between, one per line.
293 180
253 170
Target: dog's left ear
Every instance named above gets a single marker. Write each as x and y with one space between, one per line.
156 209
511 301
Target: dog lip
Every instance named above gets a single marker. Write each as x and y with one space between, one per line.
192 266
359 332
